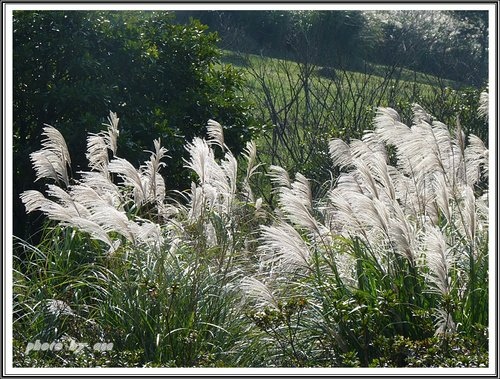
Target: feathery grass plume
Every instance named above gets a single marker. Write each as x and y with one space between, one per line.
441 192
364 174
420 115
476 160
343 210
111 137
200 157
218 181
130 176
149 234
389 127
68 200
439 260
97 153
103 187
403 232
230 167
259 292
370 148
382 173
469 218
482 212
53 159
444 323
91 199
340 153
33 200
113 220
296 203
250 154
376 215
59 308
417 152
94 230
154 183
36 201
91 214
483 109
422 151
210 234
279 177
215 133
369 158
196 203
283 245
74 215
98 145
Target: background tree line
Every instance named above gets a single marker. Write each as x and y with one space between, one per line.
449 44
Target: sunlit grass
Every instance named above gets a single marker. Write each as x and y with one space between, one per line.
388 261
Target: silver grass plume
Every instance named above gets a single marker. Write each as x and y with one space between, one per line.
439 259
259 292
403 233
340 153
200 158
250 154
67 200
296 202
90 198
53 159
469 218
389 127
35 201
283 245
230 167
111 137
217 180
420 115
279 177
102 185
476 160
99 145
444 323
442 198
215 133
154 184
97 153
113 220
67 215
483 109
59 308
94 230
130 176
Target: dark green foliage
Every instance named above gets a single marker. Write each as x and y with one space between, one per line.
327 37
453 351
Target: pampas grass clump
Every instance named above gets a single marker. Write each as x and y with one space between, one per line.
398 246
